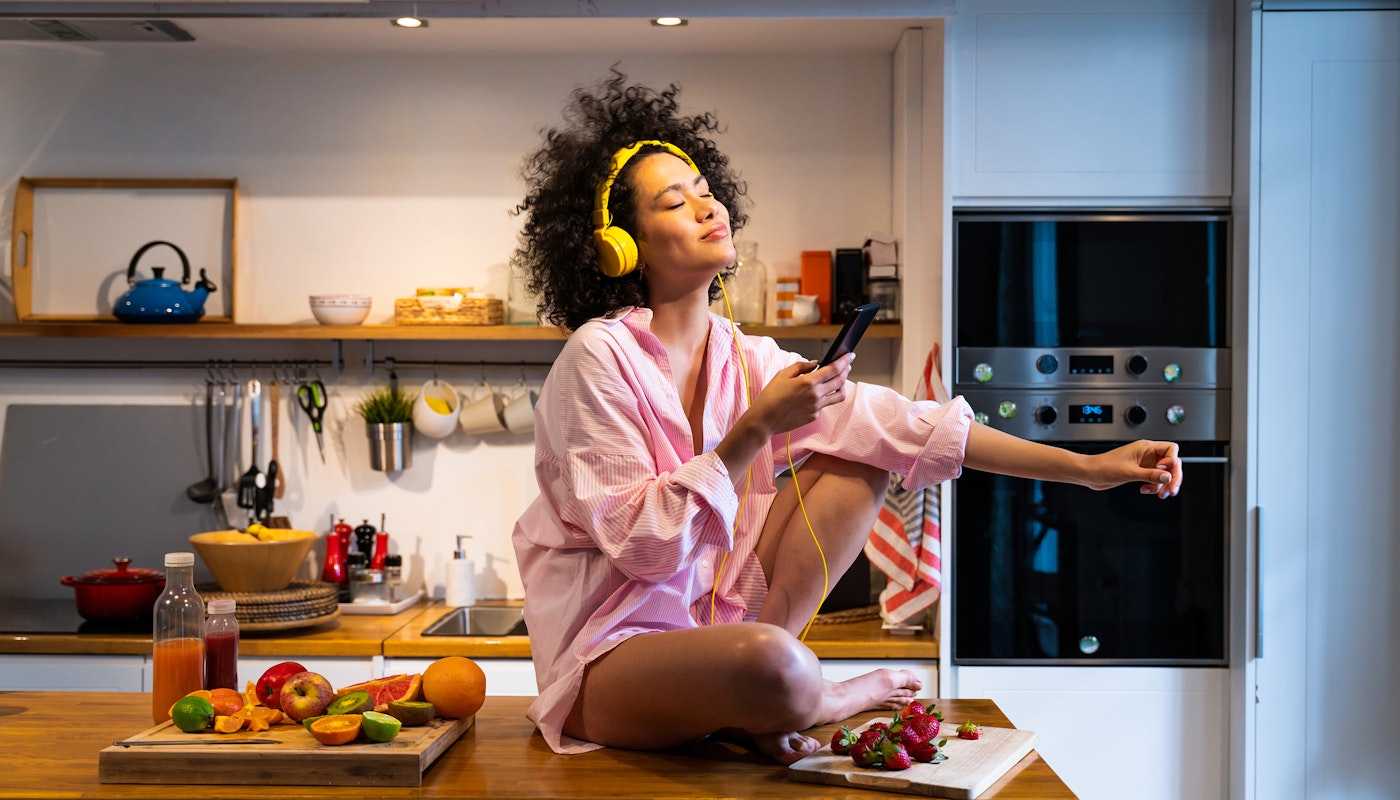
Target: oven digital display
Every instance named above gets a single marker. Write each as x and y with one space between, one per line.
1091 365
1086 412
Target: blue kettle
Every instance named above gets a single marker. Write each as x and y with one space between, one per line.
160 299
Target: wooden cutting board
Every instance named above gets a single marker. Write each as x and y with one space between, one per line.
972 766
296 759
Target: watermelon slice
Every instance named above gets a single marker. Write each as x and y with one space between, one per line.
383 691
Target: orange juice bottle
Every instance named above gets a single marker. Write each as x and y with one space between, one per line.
177 657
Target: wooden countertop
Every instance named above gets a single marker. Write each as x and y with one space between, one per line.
51 740
401 635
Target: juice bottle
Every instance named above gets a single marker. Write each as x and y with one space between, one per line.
177 657
221 646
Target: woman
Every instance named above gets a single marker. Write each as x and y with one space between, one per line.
667 577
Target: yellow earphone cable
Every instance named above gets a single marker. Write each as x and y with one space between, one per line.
748 480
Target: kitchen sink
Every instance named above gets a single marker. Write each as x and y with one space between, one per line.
479 621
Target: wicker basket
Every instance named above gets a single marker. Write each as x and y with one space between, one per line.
472 311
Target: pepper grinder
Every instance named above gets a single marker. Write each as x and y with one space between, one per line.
459 576
364 539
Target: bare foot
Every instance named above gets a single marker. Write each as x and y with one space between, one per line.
785 748
880 689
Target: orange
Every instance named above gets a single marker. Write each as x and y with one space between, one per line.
226 702
250 695
455 686
227 724
336 730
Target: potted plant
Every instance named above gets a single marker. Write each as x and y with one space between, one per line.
388 416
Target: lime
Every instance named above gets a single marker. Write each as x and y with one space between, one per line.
380 727
192 714
412 712
307 722
352 703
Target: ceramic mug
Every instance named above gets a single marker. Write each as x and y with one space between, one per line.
483 414
519 414
429 421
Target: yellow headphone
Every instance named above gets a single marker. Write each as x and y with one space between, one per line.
617 250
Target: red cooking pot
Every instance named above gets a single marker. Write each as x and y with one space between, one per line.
124 594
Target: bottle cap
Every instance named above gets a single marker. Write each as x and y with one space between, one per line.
179 559
221 606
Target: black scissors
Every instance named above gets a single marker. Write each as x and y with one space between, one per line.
311 396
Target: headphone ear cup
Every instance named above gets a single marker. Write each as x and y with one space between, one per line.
617 251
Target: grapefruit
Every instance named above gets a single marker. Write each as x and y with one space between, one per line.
383 691
455 686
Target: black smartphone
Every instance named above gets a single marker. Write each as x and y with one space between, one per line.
846 341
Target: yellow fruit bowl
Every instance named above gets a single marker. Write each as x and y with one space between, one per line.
263 561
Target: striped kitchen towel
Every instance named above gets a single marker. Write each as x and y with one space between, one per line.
906 540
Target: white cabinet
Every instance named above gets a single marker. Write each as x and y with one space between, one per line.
1112 732
1090 98
1326 711
339 671
45 673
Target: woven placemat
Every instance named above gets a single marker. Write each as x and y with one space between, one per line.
299 601
849 615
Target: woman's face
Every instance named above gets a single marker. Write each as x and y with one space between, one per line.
682 230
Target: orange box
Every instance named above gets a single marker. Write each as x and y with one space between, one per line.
816 279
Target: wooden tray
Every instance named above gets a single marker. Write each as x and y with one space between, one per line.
972 766
296 760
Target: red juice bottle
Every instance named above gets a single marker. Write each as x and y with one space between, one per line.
221 646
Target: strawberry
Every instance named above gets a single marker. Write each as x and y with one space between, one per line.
914 709
895 756
871 735
969 730
924 727
878 726
865 755
910 735
922 751
842 740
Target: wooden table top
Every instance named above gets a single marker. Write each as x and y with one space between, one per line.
51 740
401 635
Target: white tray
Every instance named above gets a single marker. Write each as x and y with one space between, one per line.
381 608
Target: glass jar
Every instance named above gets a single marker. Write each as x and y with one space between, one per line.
884 291
177 652
749 289
221 646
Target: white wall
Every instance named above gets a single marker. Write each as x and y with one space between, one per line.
378 173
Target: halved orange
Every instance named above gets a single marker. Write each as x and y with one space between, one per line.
337 730
228 724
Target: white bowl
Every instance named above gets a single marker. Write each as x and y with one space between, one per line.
340 309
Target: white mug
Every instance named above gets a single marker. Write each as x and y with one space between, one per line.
483 414
519 414
432 423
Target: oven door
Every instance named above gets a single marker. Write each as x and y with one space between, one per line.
1090 280
1049 573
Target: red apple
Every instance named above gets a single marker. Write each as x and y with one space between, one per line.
306 694
269 686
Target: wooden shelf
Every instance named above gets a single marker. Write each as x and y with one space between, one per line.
499 333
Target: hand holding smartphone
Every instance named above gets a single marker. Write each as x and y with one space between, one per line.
846 341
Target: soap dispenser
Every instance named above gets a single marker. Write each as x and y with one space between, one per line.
459 576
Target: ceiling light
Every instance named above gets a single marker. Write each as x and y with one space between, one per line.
409 22
670 22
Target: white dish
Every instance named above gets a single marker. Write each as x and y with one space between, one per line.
340 309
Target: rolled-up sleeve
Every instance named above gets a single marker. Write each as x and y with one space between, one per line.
647 522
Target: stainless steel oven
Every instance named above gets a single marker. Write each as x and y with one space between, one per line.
1088 331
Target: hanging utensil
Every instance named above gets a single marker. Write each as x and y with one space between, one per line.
275 477
206 490
311 396
252 480
232 445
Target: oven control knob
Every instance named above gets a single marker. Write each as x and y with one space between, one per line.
1089 645
1137 365
1006 410
981 418
1047 364
1137 415
1046 415
982 372
1176 415
1171 373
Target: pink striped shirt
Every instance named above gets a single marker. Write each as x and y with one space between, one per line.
630 523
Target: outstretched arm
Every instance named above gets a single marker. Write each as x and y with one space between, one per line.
1154 465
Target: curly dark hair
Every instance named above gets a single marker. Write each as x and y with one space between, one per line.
556 249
